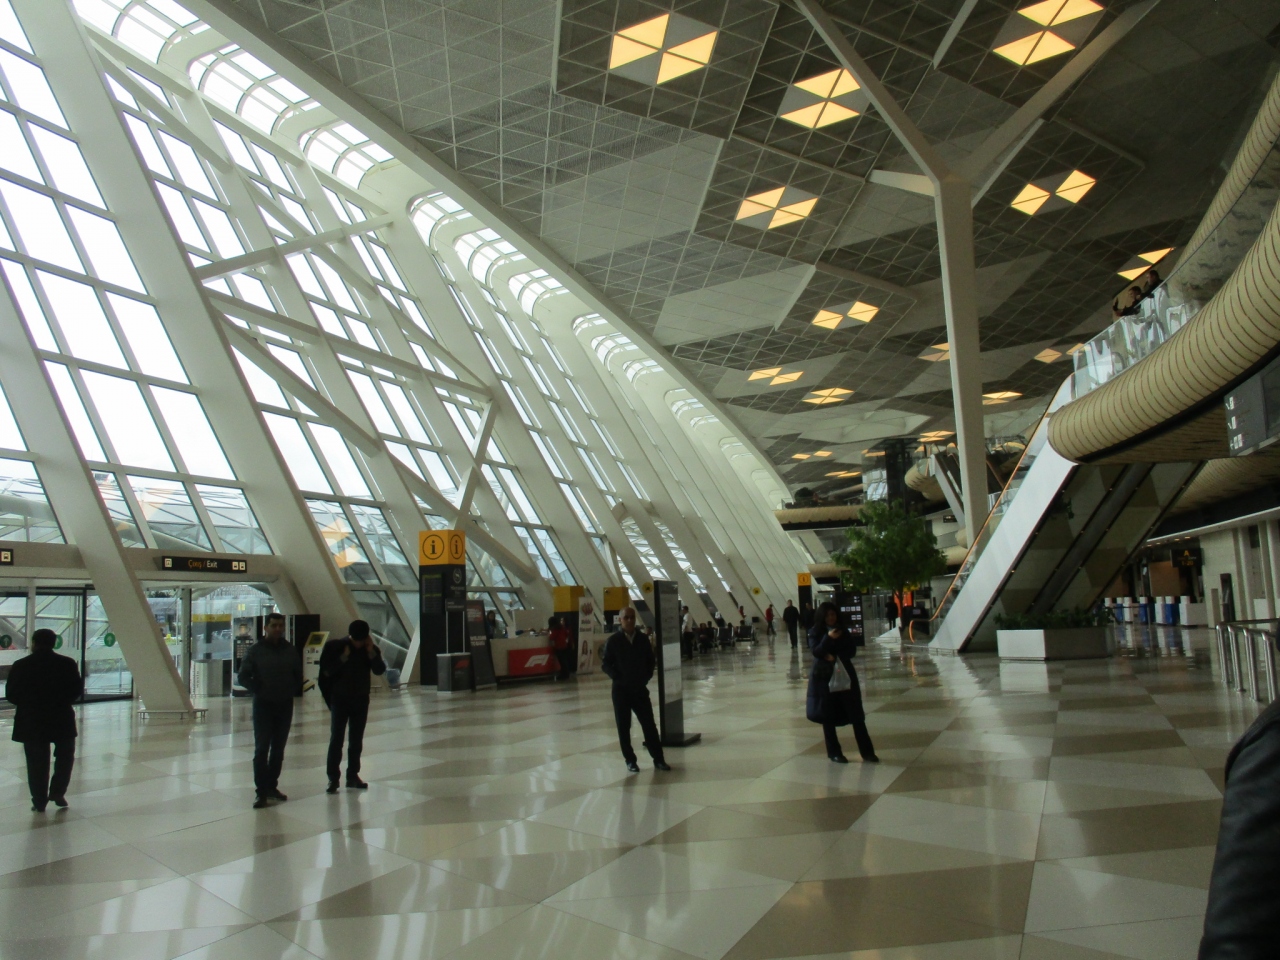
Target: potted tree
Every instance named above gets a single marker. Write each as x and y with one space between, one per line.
1061 635
891 549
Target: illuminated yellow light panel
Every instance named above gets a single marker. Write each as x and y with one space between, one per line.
1072 189
832 318
936 436
1048 355
649 39
937 353
806 456
828 88
775 375
770 201
1149 259
828 395
1043 44
845 473
1000 396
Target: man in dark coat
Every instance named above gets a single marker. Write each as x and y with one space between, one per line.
1242 921
346 669
791 617
43 686
628 660
272 671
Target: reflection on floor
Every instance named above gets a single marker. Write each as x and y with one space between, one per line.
1057 813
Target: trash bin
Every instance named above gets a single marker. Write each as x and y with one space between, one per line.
455 673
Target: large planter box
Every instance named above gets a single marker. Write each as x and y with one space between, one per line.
1076 643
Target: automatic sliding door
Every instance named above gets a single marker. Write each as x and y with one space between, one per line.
106 674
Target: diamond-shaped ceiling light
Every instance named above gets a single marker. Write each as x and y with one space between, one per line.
662 48
1053 193
828 395
1049 355
775 375
935 436
1143 262
1046 29
775 208
1000 396
937 353
832 317
823 100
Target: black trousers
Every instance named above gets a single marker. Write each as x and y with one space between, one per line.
346 715
43 789
628 700
565 659
860 734
271 722
791 632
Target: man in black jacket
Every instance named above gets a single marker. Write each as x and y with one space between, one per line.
628 661
272 672
1242 921
791 617
346 668
43 686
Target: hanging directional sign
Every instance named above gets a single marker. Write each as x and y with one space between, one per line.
204 564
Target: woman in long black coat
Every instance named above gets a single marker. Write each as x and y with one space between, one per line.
829 641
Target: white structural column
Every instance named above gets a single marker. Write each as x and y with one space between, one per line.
59 40
954 211
952 190
69 486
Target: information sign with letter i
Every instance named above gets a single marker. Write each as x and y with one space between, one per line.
666 619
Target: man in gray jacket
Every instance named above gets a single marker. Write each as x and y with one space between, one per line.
272 672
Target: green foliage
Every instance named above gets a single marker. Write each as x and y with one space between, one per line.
892 550
1057 620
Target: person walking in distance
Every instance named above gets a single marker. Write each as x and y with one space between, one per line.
347 667
830 643
559 636
791 617
628 661
891 612
688 630
272 672
43 686
768 621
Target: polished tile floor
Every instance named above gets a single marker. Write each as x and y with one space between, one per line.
1065 812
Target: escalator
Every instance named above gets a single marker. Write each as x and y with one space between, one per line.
1055 539
1135 433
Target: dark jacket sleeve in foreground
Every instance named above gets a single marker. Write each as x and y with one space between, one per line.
1242 921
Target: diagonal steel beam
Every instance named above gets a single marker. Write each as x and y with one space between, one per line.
1009 131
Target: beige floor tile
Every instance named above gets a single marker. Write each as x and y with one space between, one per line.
406 936
705 923
1005 833
1129 829
784 858
652 870
536 876
618 815
1064 898
1187 867
1173 939
867 854
150 945
543 931
258 943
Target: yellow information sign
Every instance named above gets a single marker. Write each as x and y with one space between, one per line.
437 547
804 579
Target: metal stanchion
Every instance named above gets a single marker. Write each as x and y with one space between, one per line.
1236 678
1224 660
1249 636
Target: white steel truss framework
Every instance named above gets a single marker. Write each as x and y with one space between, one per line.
265 335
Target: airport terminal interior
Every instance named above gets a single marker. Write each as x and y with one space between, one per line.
471 319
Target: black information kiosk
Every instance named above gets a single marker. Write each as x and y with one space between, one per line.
482 671
666 619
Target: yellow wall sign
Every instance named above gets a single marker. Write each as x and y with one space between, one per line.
615 598
804 579
441 546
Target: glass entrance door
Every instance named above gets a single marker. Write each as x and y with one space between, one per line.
13 630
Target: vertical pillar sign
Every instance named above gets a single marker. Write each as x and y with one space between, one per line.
666 619
442 579
804 591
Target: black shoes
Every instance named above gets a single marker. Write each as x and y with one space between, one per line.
59 802
39 807
839 758
261 802
633 766
355 783
871 759
332 787
661 765
277 795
